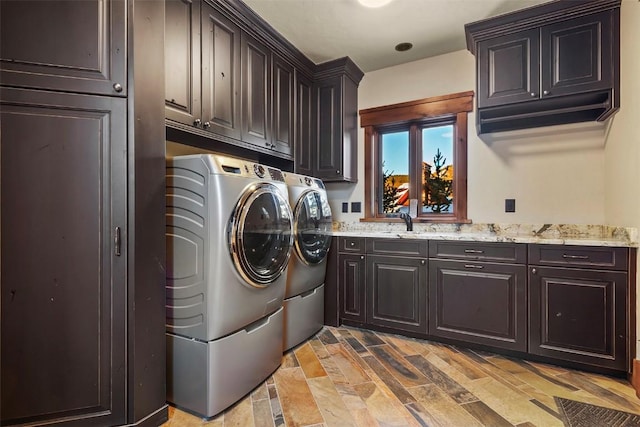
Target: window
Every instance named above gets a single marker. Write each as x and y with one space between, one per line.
416 159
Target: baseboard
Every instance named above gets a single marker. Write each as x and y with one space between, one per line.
635 377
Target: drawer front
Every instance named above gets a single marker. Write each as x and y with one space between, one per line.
579 256
398 247
515 253
354 245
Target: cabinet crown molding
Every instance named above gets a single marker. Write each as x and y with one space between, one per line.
339 67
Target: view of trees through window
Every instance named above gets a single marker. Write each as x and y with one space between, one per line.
435 170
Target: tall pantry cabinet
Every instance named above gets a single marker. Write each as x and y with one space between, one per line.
82 213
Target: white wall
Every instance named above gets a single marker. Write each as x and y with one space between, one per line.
622 152
555 174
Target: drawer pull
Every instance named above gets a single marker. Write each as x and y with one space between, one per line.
477 267
575 256
473 251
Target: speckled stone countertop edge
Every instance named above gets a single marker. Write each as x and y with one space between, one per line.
553 234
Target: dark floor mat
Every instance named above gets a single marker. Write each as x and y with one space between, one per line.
578 414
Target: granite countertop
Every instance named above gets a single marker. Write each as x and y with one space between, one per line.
556 234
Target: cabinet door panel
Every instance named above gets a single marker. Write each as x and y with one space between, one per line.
63 176
578 315
73 46
328 158
283 106
351 278
576 55
508 69
220 74
304 126
182 61
397 293
478 302
256 95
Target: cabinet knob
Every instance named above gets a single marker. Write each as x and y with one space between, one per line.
197 122
534 271
422 262
352 244
338 171
206 125
117 87
545 92
533 94
361 256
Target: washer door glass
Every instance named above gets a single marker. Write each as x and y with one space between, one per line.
261 235
313 227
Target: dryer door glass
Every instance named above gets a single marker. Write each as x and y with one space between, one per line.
261 235
313 227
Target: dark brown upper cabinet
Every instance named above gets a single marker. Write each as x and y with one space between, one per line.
202 63
283 106
256 93
220 74
232 79
336 97
304 140
40 49
182 61
552 64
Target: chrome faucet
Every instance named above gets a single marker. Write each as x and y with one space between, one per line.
407 220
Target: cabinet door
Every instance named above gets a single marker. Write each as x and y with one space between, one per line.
182 61
351 278
478 302
63 174
397 293
283 107
256 92
220 74
577 55
71 46
508 69
579 315
328 157
305 142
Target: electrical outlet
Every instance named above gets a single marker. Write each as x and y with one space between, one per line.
355 207
509 205
345 207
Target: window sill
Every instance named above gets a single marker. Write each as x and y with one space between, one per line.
419 220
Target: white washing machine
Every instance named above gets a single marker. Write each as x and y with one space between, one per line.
229 240
312 223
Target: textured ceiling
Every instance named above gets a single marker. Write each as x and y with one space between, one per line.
330 29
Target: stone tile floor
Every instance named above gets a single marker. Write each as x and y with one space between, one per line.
352 377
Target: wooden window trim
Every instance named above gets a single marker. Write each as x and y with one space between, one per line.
453 106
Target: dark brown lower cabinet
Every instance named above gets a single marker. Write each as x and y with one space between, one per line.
478 302
351 277
579 315
397 293
573 306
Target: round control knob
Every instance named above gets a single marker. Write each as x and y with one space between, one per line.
307 181
259 170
